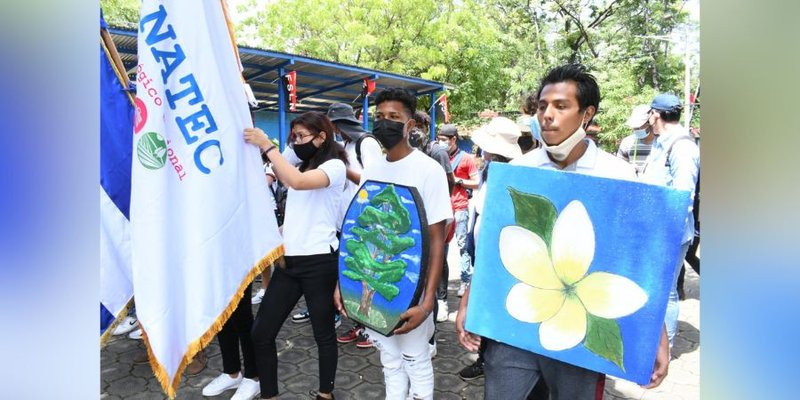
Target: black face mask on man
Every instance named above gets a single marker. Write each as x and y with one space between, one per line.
389 133
305 151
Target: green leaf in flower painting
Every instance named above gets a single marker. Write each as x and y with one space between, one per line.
535 213
603 338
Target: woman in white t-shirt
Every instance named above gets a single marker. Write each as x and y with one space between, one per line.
311 246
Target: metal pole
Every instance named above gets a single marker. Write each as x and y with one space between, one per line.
433 116
365 112
281 109
687 86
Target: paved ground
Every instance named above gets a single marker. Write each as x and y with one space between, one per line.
359 375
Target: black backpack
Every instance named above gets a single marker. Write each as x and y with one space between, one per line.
280 200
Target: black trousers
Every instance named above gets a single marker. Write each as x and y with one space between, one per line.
235 333
692 259
441 289
315 278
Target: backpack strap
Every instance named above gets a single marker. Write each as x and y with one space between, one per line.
696 200
678 139
454 162
358 147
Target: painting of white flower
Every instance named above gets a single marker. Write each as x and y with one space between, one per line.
556 289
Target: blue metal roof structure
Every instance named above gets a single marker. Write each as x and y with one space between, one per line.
319 84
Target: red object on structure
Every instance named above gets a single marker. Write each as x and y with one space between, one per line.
443 103
291 89
368 87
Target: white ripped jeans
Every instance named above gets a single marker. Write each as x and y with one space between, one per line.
406 359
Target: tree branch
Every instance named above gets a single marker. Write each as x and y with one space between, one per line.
603 15
584 34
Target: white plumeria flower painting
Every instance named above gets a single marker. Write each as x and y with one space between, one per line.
556 290
575 267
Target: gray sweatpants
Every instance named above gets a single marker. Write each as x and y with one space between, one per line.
512 372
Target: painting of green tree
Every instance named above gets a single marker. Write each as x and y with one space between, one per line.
377 255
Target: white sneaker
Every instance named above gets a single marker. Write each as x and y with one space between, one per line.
137 334
247 390
126 325
221 383
462 288
441 315
258 297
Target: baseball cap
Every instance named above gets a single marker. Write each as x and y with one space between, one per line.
448 130
342 112
666 102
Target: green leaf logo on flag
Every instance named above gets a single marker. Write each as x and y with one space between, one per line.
152 150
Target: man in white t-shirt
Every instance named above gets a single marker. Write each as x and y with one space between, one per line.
568 100
406 356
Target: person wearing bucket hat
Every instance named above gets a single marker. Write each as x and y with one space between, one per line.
362 148
635 147
499 142
360 145
500 137
674 161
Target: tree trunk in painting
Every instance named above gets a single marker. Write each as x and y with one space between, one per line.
366 299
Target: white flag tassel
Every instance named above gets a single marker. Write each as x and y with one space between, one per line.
201 225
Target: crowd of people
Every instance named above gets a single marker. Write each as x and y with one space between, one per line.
328 157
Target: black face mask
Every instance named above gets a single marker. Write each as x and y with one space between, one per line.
389 133
305 151
525 142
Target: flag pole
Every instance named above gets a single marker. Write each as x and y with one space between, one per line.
229 24
116 62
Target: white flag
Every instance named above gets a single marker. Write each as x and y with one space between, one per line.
201 224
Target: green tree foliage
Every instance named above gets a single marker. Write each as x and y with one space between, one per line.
447 41
121 12
494 52
373 258
614 38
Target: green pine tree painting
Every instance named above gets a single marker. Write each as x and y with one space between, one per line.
382 228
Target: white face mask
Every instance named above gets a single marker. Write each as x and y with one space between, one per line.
444 143
560 151
640 133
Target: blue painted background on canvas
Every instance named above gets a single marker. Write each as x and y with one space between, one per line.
637 230
409 284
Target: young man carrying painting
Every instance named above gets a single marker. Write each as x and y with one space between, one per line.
406 356
568 100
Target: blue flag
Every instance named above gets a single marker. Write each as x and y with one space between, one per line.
116 143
